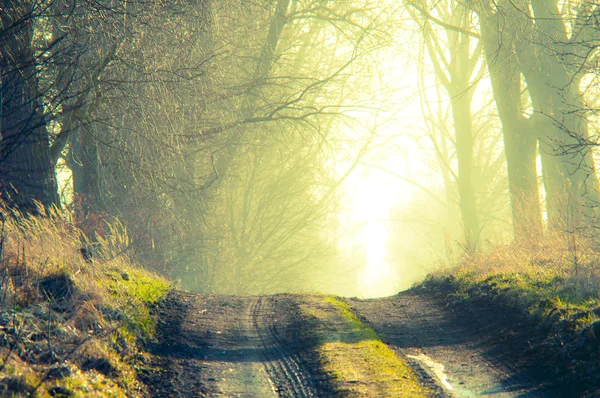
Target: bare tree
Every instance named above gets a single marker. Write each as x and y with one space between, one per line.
457 68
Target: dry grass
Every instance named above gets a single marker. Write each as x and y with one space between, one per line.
70 325
558 273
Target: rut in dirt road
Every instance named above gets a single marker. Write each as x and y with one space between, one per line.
212 345
283 367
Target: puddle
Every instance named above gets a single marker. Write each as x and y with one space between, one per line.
438 371
436 368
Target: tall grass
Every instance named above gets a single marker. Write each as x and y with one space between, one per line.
556 266
70 323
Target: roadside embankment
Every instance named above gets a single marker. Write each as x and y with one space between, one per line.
71 323
548 298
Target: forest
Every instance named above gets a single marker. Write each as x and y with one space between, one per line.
347 147
230 156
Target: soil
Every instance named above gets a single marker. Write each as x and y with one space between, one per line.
262 346
470 343
230 346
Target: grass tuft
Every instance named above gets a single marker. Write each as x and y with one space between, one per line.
70 324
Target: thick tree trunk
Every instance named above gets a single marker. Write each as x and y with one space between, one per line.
26 171
571 183
519 140
461 112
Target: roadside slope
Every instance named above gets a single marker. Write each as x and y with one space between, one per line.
73 315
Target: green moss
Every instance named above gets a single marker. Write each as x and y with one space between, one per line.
146 287
359 363
92 384
137 284
531 289
133 292
363 332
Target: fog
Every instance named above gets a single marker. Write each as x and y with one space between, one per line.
304 145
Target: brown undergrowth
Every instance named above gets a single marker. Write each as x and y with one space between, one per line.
71 320
556 286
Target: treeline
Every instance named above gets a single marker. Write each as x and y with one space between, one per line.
209 128
220 132
528 70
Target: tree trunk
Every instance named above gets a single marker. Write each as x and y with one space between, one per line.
461 90
84 163
556 185
26 171
552 70
461 112
519 141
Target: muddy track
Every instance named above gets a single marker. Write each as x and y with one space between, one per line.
284 368
230 346
467 351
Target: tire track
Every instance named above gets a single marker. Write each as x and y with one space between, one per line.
283 367
232 346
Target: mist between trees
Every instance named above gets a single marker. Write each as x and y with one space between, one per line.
225 134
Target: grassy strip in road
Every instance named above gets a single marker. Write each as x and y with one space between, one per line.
360 364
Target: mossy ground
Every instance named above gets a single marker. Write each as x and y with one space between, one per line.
537 280
70 326
360 364
555 286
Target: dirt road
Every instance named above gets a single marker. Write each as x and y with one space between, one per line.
210 345
464 352
234 347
